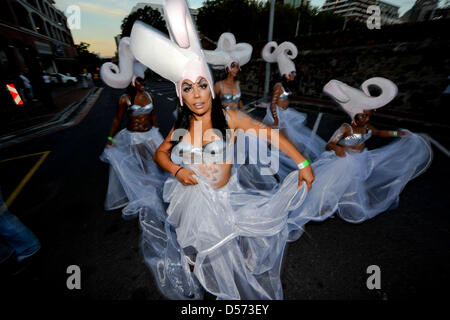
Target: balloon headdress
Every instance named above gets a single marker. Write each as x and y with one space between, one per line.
129 68
355 101
228 51
282 54
176 59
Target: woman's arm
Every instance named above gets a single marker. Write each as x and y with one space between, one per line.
241 106
385 133
162 158
153 113
217 88
273 105
240 103
240 120
332 144
153 117
118 118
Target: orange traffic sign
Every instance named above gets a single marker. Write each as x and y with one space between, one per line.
15 95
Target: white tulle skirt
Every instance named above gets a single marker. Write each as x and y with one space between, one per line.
234 236
291 124
361 185
133 173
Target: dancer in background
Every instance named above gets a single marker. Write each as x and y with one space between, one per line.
290 122
133 173
230 56
355 182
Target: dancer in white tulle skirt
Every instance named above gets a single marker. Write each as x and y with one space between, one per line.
208 232
230 56
355 182
133 173
290 122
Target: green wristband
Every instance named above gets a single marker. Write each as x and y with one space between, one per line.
111 139
394 133
303 164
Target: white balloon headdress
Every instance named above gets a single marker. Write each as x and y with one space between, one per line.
228 51
119 77
282 54
176 59
355 101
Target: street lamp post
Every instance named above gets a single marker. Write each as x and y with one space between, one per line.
269 38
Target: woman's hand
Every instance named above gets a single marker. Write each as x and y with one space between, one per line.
186 177
306 174
402 133
340 152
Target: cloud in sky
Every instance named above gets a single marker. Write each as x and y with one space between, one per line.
101 20
102 10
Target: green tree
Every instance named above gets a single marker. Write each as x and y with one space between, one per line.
248 20
147 15
86 59
239 17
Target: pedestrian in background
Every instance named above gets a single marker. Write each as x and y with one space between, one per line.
17 242
26 84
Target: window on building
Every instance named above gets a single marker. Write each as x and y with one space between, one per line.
33 3
5 14
43 7
61 36
54 33
55 16
39 24
49 12
23 17
49 29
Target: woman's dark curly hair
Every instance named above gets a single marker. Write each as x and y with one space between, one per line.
217 117
131 90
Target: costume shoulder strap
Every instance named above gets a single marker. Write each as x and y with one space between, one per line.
149 96
236 84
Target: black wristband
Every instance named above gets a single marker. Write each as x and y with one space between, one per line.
177 171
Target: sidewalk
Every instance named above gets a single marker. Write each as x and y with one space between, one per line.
37 112
72 104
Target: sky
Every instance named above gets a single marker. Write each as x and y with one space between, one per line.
101 19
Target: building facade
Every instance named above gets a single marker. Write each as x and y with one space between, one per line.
421 11
35 38
357 9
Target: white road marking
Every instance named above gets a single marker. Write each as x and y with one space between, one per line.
316 124
436 144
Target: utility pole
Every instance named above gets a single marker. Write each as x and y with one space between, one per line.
269 38
302 4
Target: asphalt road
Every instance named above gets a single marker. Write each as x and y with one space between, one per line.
63 204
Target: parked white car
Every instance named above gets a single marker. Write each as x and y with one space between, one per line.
62 78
